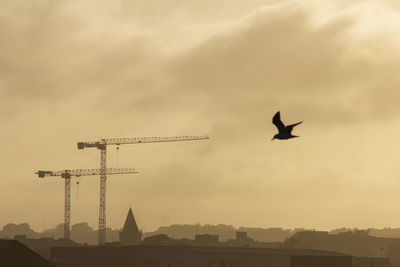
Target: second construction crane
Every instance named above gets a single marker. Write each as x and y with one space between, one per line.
67 174
102 146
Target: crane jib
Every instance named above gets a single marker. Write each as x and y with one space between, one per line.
102 145
138 140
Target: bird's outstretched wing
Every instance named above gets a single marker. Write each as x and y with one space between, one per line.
278 123
289 128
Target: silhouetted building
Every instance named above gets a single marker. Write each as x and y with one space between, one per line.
130 234
242 240
15 254
370 261
367 250
206 239
182 256
241 236
161 239
42 245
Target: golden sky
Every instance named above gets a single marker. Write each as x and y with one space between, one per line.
83 70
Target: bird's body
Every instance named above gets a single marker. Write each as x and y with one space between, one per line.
285 132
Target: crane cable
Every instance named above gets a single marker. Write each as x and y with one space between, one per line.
117 157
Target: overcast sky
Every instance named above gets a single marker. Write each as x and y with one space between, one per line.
84 70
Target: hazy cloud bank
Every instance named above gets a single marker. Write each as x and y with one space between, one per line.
71 72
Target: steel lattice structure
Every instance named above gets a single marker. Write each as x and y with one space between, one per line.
67 174
102 146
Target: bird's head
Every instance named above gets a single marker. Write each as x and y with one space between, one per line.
275 137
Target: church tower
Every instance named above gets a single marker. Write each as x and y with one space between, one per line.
130 234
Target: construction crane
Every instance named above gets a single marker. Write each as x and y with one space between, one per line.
66 175
102 146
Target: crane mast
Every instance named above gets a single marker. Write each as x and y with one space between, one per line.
102 146
102 207
67 174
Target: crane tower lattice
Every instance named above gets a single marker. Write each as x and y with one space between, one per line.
66 175
102 146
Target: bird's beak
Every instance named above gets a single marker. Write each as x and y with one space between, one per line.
272 138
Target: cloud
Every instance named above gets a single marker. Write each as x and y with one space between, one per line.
276 58
280 60
88 70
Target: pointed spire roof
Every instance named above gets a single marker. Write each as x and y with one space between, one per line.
130 223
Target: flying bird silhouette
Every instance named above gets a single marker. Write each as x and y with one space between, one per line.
285 132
